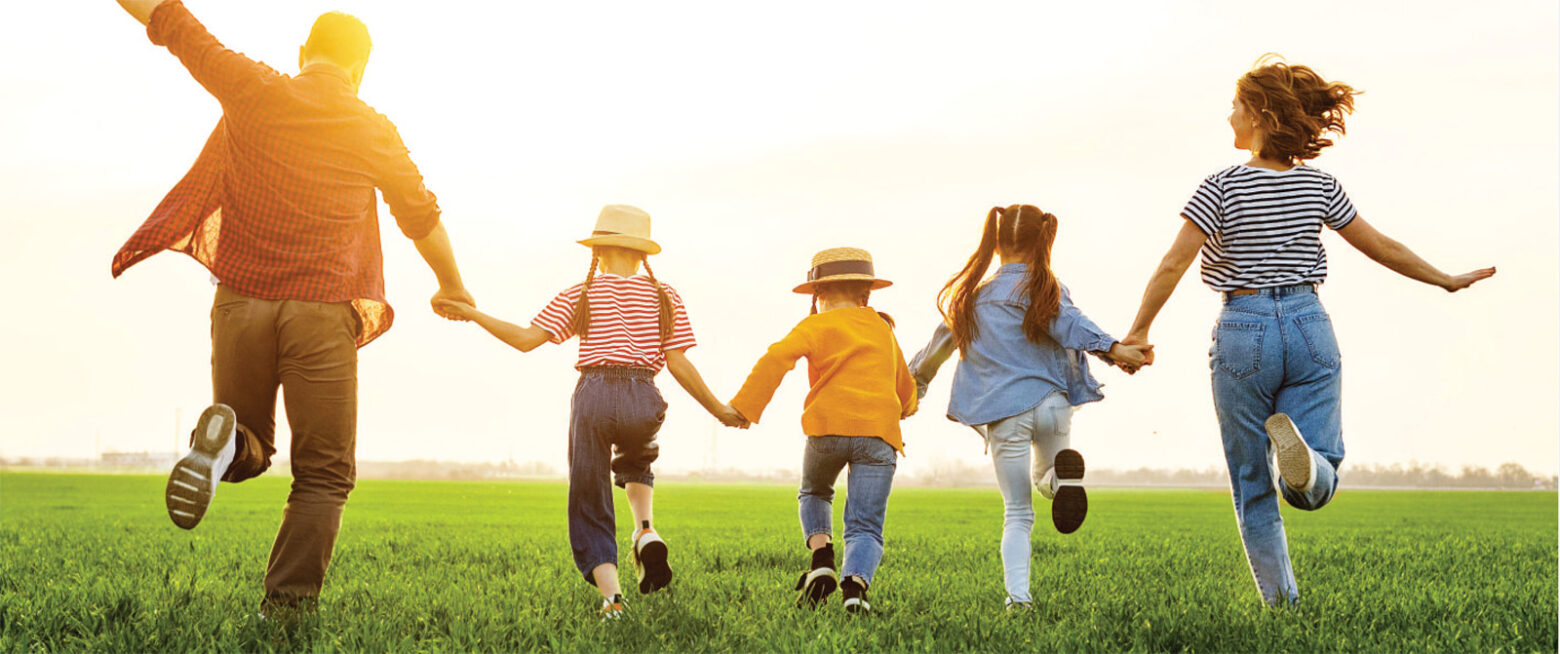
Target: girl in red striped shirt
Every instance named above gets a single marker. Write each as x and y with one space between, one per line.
630 326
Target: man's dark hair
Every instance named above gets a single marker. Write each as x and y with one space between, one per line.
340 37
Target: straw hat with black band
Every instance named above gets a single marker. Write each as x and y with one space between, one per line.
840 265
620 225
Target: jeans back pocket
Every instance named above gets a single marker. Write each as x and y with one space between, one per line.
1319 339
1237 348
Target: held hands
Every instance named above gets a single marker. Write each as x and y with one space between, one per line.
454 304
731 417
1459 282
1131 353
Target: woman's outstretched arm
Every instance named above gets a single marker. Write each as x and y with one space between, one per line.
1182 252
1401 260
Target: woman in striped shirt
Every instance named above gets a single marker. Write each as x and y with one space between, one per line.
630 326
1275 362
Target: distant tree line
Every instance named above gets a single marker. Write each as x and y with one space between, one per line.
943 474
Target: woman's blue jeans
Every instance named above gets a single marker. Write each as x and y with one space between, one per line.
872 462
1274 352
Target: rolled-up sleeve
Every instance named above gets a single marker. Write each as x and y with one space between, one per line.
415 208
229 76
1074 331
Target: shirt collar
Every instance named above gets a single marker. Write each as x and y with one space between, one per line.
326 69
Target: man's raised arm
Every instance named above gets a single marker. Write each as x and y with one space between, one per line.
225 74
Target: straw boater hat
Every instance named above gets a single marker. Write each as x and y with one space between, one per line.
839 265
623 226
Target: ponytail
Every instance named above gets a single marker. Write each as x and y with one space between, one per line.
956 300
1041 287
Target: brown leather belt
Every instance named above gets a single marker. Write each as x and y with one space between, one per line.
1280 290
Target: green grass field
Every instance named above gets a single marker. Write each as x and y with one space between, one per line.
92 563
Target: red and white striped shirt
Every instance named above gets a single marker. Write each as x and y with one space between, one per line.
625 327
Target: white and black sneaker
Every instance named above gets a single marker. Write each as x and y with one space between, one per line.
194 479
1070 504
816 584
650 563
854 591
612 609
1296 465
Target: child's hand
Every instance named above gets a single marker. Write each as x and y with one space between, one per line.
1130 357
459 309
731 417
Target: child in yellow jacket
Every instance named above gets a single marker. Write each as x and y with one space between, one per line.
860 390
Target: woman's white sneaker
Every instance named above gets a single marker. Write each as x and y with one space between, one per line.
1296 463
193 481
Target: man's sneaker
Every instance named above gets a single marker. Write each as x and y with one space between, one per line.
650 561
854 590
1296 466
1071 503
816 584
194 478
612 609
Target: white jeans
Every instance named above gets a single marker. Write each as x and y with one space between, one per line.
1044 429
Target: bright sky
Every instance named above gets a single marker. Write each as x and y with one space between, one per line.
757 134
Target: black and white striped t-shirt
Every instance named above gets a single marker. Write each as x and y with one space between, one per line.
1264 226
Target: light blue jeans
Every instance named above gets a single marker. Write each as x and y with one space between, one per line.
1034 435
872 463
1274 352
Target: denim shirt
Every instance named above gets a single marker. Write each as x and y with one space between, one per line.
1002 373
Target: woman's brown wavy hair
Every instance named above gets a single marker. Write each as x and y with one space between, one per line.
1294 106
1020 229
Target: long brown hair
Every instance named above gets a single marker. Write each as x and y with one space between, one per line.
1295 106
1020 229
859 290
581 322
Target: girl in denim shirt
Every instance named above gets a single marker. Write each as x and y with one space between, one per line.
1021 372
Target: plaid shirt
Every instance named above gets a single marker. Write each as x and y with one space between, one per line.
280 203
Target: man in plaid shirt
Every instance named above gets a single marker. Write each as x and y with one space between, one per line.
280 206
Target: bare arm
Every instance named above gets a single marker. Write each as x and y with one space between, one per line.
688 376
1401 260
524 339
1182 252
440 256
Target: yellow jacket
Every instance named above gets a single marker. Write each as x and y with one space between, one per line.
860 384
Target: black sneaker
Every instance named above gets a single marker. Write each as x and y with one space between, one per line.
816 584
650 563
1071 503
193 481
854 590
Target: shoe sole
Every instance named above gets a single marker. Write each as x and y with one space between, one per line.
1294 456
190 485
1071 503
817 586
654 572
